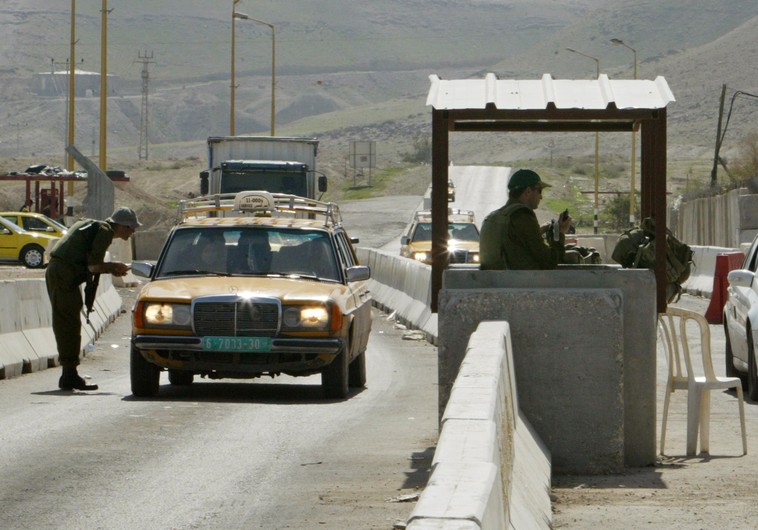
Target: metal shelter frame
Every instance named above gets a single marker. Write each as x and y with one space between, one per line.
493 105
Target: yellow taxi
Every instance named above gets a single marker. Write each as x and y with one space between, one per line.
462 242
19 245
253 284
35 222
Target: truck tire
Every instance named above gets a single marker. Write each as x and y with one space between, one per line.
334 378
145 376
33 256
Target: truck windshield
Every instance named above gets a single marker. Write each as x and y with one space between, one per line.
273 181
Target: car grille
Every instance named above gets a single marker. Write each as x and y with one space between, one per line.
458 256
236 318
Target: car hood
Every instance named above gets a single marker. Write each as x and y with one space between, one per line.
286 289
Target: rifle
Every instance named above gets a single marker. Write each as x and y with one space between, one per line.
90 290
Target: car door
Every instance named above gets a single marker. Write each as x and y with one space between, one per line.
8 242
740 301
360 293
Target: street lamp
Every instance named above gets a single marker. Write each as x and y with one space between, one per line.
619 42
243 16
597 145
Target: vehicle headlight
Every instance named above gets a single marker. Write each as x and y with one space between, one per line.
422 256
157 314
310 317
474 257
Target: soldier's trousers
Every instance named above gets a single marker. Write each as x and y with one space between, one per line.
66 301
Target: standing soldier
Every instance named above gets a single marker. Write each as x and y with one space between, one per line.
76 258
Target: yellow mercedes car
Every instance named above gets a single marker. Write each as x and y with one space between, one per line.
462 243
253 284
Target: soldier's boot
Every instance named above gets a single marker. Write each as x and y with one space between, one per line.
71 380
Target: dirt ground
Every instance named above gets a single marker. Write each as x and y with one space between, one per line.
716 490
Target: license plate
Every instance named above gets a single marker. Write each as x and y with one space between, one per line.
237 343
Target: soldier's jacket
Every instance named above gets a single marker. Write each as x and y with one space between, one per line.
85 243
511 239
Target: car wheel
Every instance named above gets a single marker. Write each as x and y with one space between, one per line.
180 377
730 371
752 375
357 371
33 256
145 376
334 378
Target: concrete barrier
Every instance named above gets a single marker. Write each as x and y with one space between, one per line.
490 470
404 286
27 342
700 282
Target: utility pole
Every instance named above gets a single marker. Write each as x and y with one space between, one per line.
143 141
103 84
719 138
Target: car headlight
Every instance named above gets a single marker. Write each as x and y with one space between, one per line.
163 315
422 256
311 317
474 257
316 317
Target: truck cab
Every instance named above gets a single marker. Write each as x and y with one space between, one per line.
276 164
275 176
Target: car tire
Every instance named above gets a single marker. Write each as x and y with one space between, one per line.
33 256
180 377
752 369
334 378
730 370
145 376
357 371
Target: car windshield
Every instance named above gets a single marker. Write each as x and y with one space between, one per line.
249 251
460 231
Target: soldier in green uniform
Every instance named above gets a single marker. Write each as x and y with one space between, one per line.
511 236
79 254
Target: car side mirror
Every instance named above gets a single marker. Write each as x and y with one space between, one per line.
142 268
740 278
404 240
358 272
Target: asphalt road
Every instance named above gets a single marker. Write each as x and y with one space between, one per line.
265 453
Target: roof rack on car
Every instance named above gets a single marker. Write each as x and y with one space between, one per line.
262 203
454 214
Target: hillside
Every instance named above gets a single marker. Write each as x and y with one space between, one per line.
358 70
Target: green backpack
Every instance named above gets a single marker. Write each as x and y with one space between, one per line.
636 249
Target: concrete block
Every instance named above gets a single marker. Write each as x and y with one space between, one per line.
638 330
466 492
467 441
15 352
568 351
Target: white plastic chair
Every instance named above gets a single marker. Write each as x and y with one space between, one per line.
681 376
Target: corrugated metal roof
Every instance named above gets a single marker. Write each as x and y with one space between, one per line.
536 94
